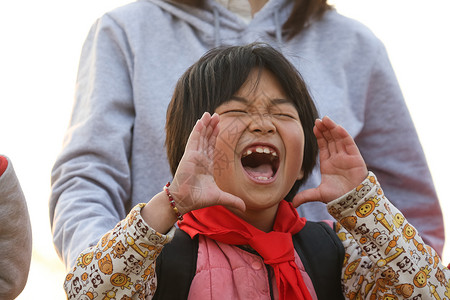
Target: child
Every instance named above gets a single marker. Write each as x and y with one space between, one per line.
15 233
231 174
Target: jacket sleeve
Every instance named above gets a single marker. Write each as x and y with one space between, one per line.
390 146
91 176
385 256
15 234
121 265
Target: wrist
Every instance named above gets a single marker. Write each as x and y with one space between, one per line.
158 214
172 203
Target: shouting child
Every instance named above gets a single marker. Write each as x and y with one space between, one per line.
242 135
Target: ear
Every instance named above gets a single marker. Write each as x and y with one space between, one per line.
301 174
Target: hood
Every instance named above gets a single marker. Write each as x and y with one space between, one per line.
219 26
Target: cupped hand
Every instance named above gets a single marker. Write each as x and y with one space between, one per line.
341 164
193 186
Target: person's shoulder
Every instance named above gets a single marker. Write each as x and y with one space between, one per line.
344 27
137 10
136 17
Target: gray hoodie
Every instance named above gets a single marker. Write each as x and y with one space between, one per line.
113 155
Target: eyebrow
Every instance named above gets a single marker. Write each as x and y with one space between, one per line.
239 99
273 101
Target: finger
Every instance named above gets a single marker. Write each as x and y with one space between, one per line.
206 117
328 122
343 139
214 134
206 120
309 195
215 118
210 135
337 131
321 142
211 125
338 134
320 126
325 140
326 133
227 199
318 132
195 136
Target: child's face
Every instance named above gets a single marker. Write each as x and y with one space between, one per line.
259 150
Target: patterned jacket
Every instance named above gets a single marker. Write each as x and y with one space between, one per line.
385 258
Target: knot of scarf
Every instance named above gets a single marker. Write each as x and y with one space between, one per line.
275 247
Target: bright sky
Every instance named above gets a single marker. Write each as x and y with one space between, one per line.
41 43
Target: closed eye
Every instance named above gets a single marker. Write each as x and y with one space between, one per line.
234 111
284 115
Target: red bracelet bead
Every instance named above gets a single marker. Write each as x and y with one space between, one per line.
172 202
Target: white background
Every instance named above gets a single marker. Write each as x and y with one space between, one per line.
40 47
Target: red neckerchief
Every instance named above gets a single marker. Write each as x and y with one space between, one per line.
275 247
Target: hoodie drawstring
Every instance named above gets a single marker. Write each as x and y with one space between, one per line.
216 27
276 18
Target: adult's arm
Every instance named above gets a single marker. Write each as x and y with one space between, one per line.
91 177
392 150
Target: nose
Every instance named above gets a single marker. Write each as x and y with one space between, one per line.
261 123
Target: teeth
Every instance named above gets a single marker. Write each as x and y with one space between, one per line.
265 150
262 178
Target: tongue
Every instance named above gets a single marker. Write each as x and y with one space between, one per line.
264 170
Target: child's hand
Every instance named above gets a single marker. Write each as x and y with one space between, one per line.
193 185
341 165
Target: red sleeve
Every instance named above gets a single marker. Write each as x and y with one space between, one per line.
3 164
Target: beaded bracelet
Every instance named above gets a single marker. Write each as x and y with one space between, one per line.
172 202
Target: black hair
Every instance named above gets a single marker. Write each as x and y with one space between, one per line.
216 77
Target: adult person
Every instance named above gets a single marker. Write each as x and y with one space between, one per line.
113 155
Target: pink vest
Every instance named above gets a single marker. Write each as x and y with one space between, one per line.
228 272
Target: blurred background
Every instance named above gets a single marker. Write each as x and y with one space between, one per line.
40 47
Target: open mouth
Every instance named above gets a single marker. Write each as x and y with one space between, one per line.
260 162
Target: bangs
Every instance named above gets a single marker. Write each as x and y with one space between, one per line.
216 78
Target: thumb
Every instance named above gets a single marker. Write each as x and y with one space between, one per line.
309 195
227 199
